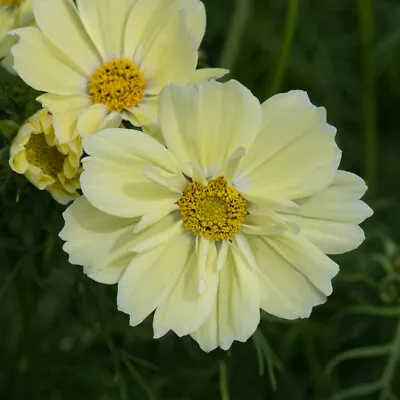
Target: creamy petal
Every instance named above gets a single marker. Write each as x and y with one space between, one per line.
145 113
151 276
196 18
298 251
105 22
185 309
205 123
284 291
66 110
150 219
330 218
236 313
72 39
98 241
42 66
113 180
149 18
157 234
295 154
165 61
207 74
93 119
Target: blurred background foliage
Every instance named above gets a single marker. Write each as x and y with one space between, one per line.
61 337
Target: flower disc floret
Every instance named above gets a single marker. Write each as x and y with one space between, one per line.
215 211
14 3
119 84
49 159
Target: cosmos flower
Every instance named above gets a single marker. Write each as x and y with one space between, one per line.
36 153
13 14
235 214
110 59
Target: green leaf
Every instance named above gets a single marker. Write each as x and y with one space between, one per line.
8 129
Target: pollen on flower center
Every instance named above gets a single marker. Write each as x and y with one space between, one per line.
43 156
14 3
119 84
215 211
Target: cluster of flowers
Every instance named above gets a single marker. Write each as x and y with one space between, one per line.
217 207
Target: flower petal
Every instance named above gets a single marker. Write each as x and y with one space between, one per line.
151 276
72 39
295 154
149 18
98 241
205 123
330 218
105 21
66 111
166 62
145 113
185 309
113 180
196 18
157 234
42 66
207 74
236 312
93 119
284 291
307 259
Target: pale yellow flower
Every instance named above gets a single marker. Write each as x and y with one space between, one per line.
36 153
104 61
13 14
235 214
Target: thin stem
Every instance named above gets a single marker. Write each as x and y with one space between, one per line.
223 381
390 371
366 19
237 28
290 29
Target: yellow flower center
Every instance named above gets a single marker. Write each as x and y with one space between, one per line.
14 3
215 211
119 84
43 156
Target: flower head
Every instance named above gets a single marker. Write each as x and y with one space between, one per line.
110 60
36 153
235 214
13 14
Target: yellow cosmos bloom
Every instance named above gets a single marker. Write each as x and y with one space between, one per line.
36 153
110 59
235 214
13 14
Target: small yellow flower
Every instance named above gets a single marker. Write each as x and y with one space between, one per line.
13 14
238 212
110 59
36 153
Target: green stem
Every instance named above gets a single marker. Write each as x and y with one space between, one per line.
237 28
290 29
366 19
390 371
223 381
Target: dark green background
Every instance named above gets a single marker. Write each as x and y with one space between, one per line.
61 337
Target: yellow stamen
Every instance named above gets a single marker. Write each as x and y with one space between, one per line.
119 84
14 3
43 156
215 211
